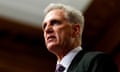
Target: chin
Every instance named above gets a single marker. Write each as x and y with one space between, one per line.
51 48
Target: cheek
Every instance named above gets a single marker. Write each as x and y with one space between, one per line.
64 35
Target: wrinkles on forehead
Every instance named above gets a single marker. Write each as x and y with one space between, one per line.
54 14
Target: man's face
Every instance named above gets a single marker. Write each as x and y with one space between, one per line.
57 30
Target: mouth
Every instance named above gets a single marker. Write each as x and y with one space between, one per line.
51 38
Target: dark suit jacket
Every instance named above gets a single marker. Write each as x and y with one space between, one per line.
92 62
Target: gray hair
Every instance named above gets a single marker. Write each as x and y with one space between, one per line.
73 15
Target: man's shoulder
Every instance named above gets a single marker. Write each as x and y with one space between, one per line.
91 54
90 60
88 55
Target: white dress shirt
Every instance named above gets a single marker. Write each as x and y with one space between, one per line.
66 61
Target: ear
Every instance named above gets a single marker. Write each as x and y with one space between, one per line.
76 30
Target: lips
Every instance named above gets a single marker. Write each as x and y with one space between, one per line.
51 38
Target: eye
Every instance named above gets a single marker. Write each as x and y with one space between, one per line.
55 22
44 25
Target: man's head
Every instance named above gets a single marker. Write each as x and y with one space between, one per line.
63 27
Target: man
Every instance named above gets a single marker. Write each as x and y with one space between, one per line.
63 27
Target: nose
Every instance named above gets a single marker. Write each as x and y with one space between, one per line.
48 29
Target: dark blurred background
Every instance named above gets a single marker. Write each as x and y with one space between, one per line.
22 46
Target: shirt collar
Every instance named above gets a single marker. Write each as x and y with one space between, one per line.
66 61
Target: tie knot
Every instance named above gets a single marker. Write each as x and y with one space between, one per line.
60 68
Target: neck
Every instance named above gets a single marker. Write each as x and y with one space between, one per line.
66 50
62 54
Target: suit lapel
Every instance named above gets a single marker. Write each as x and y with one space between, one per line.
76 60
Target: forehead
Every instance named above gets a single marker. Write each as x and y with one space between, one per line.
55 14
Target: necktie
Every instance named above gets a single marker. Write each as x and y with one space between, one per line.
59 68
